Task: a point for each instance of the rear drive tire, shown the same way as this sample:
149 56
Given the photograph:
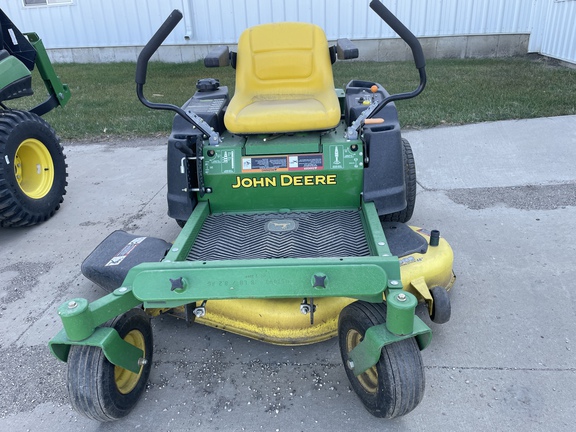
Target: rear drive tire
32 169
395 385
410 182
181 223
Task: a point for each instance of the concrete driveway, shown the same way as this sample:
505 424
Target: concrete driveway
503 194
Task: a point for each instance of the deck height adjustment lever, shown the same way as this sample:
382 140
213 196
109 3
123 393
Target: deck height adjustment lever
308 308
200 311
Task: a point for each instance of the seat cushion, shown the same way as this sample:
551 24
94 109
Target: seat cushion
283 81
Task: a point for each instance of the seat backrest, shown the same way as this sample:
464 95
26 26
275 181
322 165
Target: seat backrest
286 58
277 62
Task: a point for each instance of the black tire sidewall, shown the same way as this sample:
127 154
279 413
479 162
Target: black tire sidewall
121 404
91 383
441 307
19 127
410 180
400 372
410 184
358 317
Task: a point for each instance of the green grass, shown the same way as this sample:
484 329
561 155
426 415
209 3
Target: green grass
104 101
470 91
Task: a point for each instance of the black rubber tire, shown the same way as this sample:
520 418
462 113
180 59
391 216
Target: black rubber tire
441 308
395 385
410 181
25 134
181 223
92 384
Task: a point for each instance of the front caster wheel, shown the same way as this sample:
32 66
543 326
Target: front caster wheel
441 309
98 389
395 385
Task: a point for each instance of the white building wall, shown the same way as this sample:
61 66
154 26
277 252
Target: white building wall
554 29
90 23
94 23
355 20
130 23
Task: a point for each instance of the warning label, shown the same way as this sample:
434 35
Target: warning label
120 256
267 163
283 163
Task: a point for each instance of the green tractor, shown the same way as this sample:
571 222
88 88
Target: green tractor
32 164
293 198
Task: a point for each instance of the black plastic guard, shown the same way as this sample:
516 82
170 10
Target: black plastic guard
111 261
402 240
12 40
17 89
384 173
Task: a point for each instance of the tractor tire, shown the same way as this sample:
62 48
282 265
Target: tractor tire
395 385
32 169
405 215
100 390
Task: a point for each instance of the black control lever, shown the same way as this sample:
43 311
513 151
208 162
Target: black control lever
142 68
154 43
401 30
408 37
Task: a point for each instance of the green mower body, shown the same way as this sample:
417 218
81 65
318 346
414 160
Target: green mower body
306 228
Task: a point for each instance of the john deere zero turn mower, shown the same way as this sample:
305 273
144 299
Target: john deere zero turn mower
32 165
294 198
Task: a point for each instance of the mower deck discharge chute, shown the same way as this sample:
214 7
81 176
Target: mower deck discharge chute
293 199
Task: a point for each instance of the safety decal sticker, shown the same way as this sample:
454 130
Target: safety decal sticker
120 256
283 163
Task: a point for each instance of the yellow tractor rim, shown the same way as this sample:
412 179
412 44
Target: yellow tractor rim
34 168
125 380
369 379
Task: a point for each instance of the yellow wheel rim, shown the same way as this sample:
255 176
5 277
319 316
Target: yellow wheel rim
369 379
125 380
34 168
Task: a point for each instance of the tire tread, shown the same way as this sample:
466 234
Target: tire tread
400 368
89 375
13 211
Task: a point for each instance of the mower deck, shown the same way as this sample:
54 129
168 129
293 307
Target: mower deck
301 235
277 321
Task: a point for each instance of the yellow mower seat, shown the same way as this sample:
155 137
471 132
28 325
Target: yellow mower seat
284 81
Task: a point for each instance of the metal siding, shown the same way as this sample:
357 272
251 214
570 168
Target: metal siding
125 23
354 19
95 23
559 41
538 24
131 22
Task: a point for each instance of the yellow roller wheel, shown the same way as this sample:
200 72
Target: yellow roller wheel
369 379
